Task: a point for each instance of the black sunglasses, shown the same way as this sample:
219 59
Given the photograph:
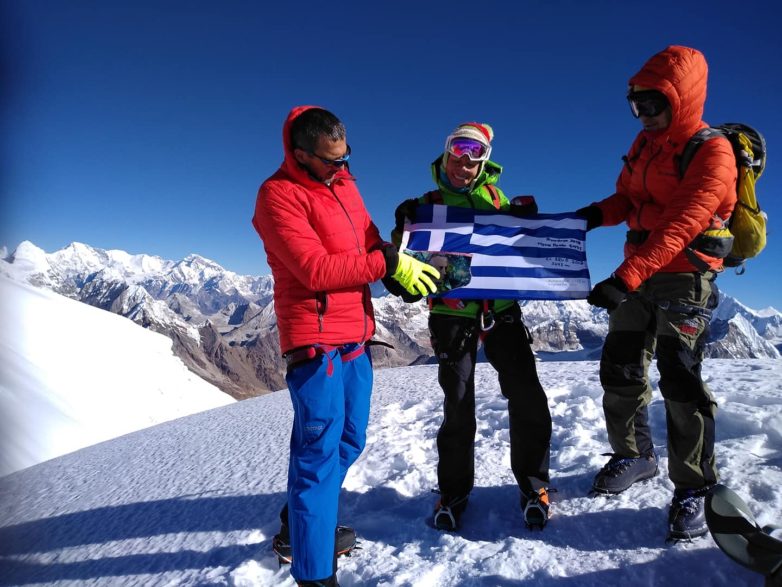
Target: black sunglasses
647 103
334 162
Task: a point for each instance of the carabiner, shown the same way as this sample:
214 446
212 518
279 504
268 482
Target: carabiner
486 321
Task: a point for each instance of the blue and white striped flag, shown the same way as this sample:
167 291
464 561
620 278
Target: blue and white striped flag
542 257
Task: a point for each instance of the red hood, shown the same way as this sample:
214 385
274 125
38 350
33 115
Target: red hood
680 73
290 165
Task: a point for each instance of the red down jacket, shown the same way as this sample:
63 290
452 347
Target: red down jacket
323 250
650 195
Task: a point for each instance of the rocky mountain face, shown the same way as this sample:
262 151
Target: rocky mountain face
224 328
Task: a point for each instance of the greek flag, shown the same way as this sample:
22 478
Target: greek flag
541 257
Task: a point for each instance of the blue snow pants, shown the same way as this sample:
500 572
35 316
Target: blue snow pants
330 396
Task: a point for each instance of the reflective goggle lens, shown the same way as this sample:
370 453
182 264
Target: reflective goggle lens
335 162
647 103
475 150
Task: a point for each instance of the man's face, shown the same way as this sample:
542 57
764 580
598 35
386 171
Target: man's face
326 148
461 171
441 264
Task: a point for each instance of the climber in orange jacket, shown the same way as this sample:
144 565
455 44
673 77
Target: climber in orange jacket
660 297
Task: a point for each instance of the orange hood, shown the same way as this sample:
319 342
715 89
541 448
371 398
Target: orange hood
680 73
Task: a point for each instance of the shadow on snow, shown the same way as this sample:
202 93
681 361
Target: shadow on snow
382 515
137 520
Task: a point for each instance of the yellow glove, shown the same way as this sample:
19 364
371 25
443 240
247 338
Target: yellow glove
415 276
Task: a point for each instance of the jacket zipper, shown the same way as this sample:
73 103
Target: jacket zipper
358 247
321 305
646 190
628 159
646 167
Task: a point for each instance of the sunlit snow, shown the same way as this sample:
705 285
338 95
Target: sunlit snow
195 501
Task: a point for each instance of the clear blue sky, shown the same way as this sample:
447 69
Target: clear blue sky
148 126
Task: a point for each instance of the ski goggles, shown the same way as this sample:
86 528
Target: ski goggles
461 146
647 103
334 162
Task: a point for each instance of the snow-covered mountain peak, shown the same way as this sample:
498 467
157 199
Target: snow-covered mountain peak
137 265
29 258
79 258
196 260
195 269
729 306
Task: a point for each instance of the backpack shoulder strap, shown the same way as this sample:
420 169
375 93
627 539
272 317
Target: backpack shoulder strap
694 144
495 196
433 197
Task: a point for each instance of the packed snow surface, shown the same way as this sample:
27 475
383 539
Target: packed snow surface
73 375
195 501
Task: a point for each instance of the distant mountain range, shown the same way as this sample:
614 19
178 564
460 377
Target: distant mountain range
224 328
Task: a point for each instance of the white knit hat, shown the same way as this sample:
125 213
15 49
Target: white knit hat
480 132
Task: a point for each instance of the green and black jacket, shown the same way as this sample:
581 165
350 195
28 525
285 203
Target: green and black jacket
484 195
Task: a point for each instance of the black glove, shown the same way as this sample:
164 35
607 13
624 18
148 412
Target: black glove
608 294
523 206
395 288
592 214
391 257
404 211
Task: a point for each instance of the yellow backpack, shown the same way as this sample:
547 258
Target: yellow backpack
747 224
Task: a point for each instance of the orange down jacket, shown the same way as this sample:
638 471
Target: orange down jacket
650 195
323 250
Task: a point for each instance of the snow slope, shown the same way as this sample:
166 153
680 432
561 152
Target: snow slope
195 501
74 375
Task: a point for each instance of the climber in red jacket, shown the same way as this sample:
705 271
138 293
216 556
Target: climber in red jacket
324 251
